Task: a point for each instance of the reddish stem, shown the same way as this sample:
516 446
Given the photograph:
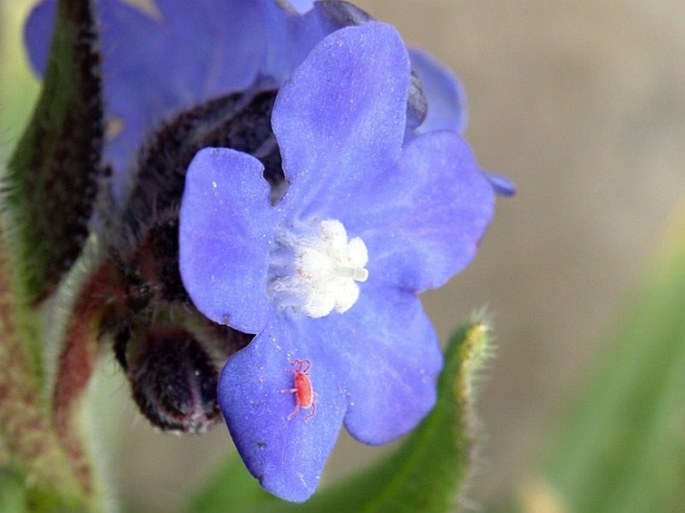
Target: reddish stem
23 416
76 364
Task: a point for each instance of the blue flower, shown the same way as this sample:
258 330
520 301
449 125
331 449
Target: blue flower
384 200
328 276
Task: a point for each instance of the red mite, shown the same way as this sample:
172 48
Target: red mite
305 397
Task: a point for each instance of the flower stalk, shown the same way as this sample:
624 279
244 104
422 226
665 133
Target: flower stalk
33 446
48 197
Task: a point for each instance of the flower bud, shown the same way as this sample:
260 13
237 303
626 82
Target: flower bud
173 380
172 353
173 374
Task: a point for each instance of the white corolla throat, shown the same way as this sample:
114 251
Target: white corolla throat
314 269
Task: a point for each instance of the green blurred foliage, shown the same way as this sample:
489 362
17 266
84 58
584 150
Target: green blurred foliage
18 85
621 449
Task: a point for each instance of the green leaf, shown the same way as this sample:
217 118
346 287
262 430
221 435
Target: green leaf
52 180
425 474
18 496
18 86
12 492
622 449
46 203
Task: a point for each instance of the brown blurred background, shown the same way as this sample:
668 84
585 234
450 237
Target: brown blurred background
582 104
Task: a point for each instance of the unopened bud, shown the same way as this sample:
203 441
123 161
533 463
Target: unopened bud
174 380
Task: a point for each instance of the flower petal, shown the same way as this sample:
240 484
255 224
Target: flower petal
38 34
143 89
287 456
135 100
502 185
447 109
151 65
228 34
423 223
226 227
291 37
391 357
343 113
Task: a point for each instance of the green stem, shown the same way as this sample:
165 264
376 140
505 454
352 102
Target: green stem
31 444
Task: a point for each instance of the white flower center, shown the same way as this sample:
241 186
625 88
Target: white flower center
314 268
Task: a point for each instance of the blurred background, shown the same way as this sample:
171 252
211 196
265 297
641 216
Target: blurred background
582 104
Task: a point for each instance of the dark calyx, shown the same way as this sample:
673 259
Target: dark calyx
171 353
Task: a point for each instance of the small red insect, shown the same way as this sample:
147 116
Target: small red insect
305 397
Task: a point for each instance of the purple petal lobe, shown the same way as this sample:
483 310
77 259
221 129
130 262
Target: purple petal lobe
343 113
391 357
147 83
38 34
291 36
446 97
229 36
423 223
502 185
151 64
284 448
226 228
